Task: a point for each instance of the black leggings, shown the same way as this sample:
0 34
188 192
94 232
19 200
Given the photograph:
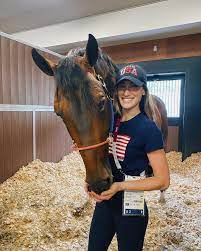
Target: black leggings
107 221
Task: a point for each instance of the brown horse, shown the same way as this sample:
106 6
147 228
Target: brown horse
156 110
81 99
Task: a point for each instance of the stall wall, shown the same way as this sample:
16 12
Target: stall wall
167 48
29 128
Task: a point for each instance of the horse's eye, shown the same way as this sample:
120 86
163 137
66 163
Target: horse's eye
101 104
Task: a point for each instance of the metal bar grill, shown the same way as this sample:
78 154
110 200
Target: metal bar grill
170 92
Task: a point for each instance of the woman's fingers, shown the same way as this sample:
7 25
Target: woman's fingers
111 191
106 197
95 196
106 193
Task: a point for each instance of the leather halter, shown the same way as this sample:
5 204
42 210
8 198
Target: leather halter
109 139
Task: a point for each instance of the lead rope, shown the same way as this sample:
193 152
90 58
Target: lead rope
112 118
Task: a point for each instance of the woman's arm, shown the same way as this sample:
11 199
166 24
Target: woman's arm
160 181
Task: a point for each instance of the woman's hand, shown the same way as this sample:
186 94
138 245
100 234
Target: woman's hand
91 194
115 187
106 195
95 196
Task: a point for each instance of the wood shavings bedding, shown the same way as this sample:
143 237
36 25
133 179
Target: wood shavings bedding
44 207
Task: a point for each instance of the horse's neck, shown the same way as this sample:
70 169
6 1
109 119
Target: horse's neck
152 110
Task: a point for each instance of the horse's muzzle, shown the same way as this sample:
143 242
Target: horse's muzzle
100 186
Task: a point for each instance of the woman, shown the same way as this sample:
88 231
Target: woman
137 142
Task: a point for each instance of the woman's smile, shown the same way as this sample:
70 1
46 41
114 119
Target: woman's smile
128 103
127 100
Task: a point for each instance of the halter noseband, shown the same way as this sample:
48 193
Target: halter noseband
109 139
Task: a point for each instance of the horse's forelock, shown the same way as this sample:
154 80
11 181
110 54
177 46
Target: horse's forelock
72 80
104 64
76 52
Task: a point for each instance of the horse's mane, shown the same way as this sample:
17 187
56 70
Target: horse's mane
107 69
72 80
104 63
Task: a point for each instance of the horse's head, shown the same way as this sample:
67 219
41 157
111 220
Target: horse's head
83 104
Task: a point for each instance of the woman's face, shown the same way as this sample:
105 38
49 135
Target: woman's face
129 95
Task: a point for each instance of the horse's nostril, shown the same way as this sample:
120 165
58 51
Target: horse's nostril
101 186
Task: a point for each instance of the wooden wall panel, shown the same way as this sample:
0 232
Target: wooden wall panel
173 47
1 86
15 142
23 97
29 135
52 138
2 167
184 46
6 78
38 135
21 81
41 90
173 138
7 143
51 91
46 84
28 75
36 80
14 72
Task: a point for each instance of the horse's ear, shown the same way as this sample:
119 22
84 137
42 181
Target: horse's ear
92 50
47 66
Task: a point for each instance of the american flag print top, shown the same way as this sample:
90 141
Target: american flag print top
121 144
